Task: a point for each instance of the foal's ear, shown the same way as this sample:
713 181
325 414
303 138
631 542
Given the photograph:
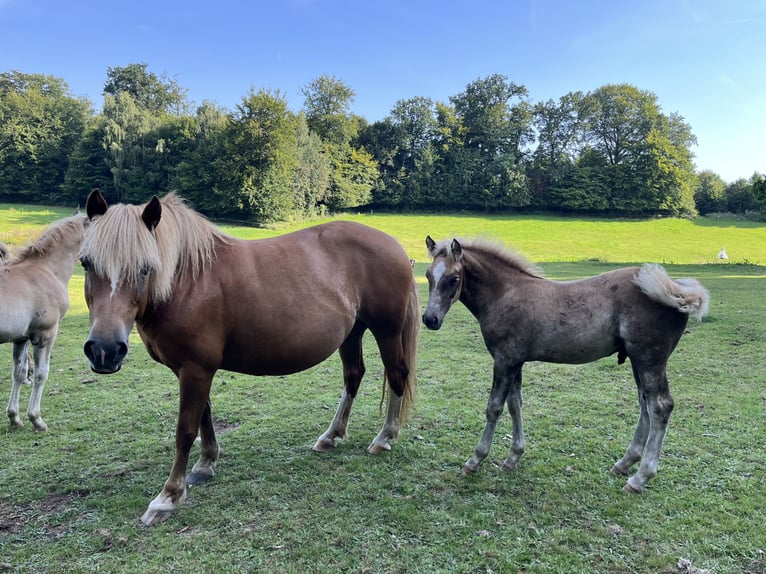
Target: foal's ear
152 213
430 245
457 250
95 205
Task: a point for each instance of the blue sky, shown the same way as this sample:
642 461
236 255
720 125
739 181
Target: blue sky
705 59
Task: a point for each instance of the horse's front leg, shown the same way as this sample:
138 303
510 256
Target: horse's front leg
194 397
204 469
501 383
42 359
18 377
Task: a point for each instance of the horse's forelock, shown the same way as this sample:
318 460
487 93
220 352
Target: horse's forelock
120 246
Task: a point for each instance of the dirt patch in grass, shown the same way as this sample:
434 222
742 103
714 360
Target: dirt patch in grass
54 514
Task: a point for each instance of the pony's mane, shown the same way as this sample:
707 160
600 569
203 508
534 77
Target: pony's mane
51 237
491 249
118 244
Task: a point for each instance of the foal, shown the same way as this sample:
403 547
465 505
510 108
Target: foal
638 313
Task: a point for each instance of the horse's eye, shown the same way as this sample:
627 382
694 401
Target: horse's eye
85 264
454 280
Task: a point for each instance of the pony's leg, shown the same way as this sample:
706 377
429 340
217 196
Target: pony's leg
501 383
636 447
659 405
194 396
204 469
514 402
41 350
18 377
353 370
397 372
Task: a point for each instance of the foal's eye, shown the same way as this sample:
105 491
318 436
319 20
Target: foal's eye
453 281
85 264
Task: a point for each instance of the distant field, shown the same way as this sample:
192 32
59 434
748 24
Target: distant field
70 498
540 238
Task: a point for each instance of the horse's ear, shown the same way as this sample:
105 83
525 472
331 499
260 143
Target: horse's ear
430 245
76 210
95 205
152 213
457 250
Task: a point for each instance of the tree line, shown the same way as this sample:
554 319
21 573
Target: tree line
489 148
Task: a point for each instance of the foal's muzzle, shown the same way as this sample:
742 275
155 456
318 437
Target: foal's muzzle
105 358
432 321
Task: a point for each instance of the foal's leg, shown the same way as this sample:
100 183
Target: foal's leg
194 396
204 469
353 370
41 351
659 405
514 402
501 384
636 447
397 373
18 377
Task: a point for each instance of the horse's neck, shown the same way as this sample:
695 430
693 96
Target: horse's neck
61 260
487 278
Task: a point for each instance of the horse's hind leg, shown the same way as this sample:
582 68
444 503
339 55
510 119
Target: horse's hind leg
397 374
636 447
18 377
514 402
501 384
658 403
204 469
353 370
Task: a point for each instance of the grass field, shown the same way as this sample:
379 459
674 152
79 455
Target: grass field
70 498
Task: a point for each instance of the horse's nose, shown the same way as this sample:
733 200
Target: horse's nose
105 358
431 321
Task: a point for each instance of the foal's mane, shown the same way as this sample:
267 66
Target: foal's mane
51 237
488 249
118 245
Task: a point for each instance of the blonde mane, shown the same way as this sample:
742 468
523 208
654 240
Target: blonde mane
57 232
492 249
118 245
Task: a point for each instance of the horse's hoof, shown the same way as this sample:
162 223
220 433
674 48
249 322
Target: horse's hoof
615 470
510 466
152 517
469 470
630 490
16 424
40 426
376 448
323 445
197 478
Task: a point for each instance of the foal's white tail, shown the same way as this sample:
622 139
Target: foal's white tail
686 295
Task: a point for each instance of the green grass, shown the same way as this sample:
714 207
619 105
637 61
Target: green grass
70 498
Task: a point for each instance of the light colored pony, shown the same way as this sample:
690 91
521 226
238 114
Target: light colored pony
34 296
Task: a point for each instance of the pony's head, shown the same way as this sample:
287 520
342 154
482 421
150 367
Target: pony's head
132 255
445 280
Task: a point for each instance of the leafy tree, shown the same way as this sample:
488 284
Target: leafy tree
261 156
311 179
758 182
710 195
493 133
149 92
40 124
88 168
354 171
740 196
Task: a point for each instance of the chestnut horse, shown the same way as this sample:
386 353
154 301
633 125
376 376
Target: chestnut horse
203 300
34 297
638 313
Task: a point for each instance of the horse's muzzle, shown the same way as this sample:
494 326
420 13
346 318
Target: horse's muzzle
432 321
104 358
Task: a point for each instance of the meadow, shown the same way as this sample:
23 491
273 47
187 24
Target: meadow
70 498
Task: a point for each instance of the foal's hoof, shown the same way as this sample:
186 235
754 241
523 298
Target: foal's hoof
630 490
615 470
323 445
376 448
467 470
